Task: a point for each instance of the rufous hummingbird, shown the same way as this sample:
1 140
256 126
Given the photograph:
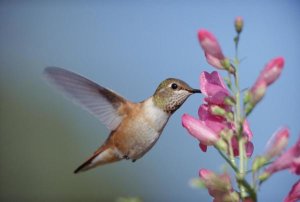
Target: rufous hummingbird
134 127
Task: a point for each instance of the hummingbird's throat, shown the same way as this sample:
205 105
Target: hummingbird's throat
170 104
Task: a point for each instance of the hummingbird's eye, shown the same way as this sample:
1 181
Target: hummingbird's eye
174 86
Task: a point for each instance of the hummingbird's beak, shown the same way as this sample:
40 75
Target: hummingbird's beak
195 91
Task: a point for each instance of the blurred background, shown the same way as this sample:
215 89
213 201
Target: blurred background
131 47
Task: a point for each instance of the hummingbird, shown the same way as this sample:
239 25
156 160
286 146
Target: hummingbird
134 127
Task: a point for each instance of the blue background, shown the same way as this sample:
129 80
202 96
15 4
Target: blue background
130 47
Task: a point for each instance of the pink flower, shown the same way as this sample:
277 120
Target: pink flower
272 71
213 122
211 48
199 130
213 87
277 143
288 160
219 186
294 194
215 91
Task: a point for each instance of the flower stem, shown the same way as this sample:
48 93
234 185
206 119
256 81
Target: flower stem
239 122
231 154
233 166
247 186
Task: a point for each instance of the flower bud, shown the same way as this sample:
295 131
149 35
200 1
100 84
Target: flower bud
264 176
221 145
211 48
277 143
227 65
196 183
272 71
257 92
216 110
219 186
258 162
238 24
290 159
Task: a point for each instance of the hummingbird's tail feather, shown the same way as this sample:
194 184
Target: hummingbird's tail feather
102 156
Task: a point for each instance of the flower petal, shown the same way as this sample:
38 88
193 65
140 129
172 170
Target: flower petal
249 149
199 130
216 123
247 130
294 194
213 87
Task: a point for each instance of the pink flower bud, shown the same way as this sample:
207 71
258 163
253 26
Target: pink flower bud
294 194
288 160
199 130
211 48
238 24
277 143
272 70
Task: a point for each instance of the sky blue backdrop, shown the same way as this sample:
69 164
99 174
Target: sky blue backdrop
130 47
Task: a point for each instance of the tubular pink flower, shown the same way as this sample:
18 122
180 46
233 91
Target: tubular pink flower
294 194
211 48
277 143
288 160
215 91
272 71
199 130
213 87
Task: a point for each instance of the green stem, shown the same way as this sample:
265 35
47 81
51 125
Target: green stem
247 186
239 123
231 155
233 166
254 179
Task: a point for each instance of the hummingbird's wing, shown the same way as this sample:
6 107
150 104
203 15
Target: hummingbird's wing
99 101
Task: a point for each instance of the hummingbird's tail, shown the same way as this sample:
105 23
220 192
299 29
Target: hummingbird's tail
102 156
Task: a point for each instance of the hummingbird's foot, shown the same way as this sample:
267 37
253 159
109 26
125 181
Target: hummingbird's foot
133 160
126 157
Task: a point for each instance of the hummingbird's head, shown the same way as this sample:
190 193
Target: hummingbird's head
171 94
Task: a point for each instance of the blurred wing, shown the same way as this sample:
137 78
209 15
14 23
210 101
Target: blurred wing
99 101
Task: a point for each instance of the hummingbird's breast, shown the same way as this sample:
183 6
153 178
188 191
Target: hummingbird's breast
141 129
